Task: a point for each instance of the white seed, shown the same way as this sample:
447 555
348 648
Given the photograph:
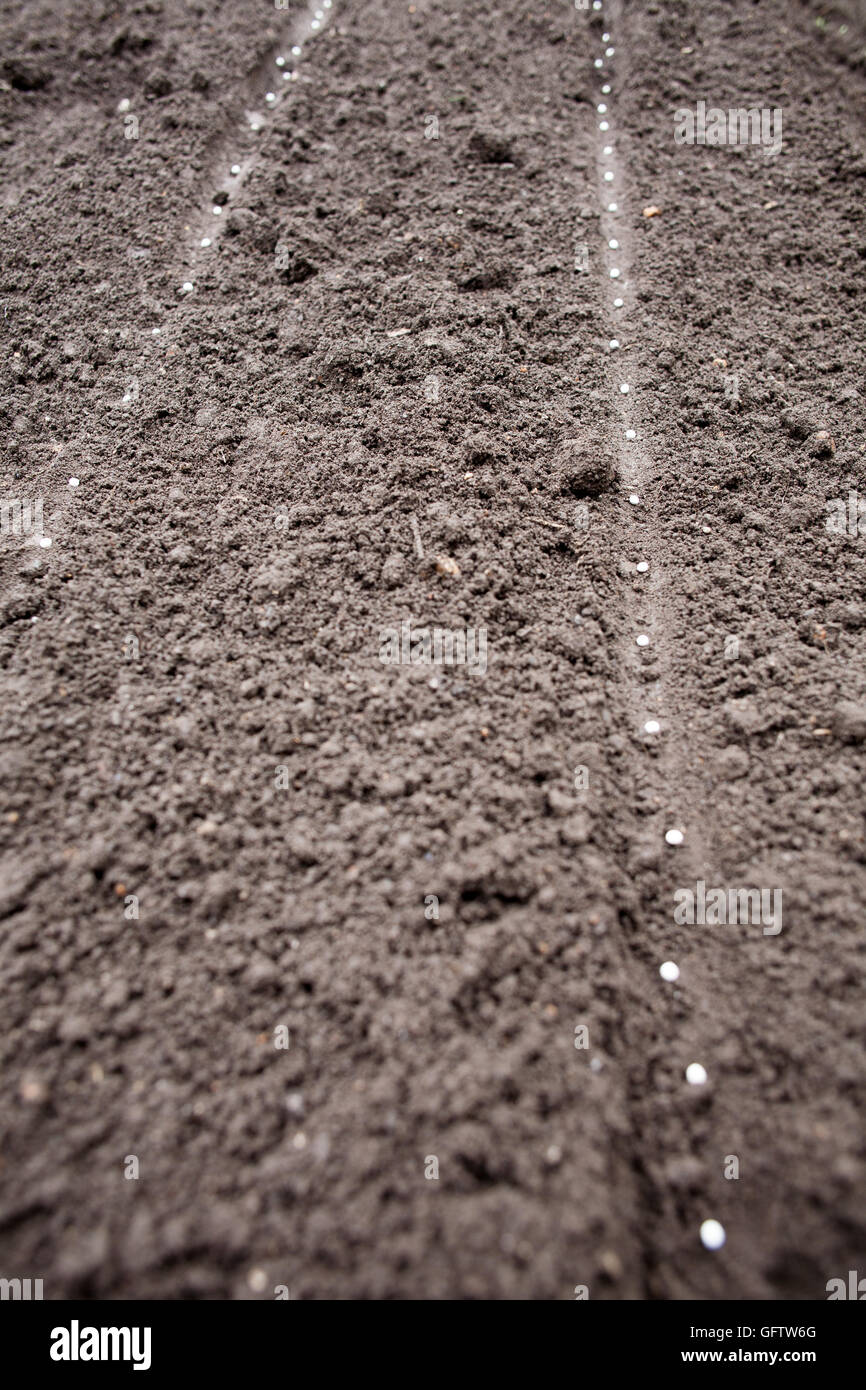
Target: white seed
280 62
642 640
608 149
609 52
713 1235
73 482
45 543
606 89
652 726
706 530
296 50
613 244
601 108
257 1280
674 837
631 434
614 274
695 1074
634 499
596 4
235 169
642 566
205 241
270 96
315 24
186 287
124 105
605 38
669 970
603 125
613 207
156 331
617 303
625 388
599 63
614 343
287 76
217 210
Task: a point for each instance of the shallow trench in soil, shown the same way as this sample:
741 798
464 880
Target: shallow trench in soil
346 974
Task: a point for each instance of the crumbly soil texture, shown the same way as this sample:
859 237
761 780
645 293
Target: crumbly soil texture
330 968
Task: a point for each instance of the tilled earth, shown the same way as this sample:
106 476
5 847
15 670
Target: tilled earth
388 394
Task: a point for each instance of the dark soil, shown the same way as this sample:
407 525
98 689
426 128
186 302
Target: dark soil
197 725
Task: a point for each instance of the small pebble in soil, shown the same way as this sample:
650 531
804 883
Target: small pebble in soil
695 1074
713 1235
674 837
642 566
652 726
669 970
642 640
